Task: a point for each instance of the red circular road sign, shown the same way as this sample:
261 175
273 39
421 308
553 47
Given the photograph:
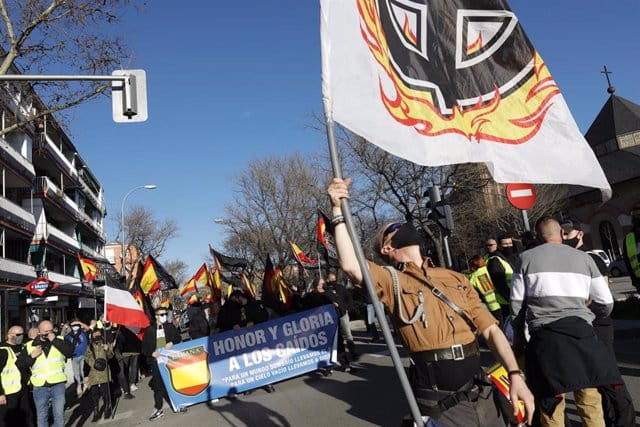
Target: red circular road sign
521 196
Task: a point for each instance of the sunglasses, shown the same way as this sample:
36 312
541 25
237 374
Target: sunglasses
390 229
18 335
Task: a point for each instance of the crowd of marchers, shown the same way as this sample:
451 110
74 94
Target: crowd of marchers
540 302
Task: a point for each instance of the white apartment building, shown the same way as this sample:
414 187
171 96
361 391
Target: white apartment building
51 209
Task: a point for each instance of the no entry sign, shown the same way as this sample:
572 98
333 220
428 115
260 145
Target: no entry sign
521 196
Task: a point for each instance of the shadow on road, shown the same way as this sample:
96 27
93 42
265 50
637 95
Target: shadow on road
251 414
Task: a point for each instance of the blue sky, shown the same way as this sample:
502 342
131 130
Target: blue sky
229 82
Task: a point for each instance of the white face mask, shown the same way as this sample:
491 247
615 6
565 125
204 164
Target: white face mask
162 318
75 328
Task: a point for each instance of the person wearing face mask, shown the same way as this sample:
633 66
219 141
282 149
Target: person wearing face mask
45 356
78 338
438 315
11 385
161 334
97 363
631 248
203 323
617 403
550 293
500 267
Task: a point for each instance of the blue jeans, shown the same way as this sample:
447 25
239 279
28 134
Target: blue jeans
77 364
41 398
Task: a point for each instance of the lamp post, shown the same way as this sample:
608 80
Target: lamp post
123 270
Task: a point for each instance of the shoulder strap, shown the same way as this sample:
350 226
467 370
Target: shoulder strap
442 297
419 313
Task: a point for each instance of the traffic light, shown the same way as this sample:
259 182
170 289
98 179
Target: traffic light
441 214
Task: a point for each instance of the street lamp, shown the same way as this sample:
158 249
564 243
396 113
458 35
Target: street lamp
123 270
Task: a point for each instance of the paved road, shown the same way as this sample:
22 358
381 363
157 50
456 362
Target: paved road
371 396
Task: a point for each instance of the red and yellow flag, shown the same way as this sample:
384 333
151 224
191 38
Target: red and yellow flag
193 299
88 268
301 258
188 288
149 282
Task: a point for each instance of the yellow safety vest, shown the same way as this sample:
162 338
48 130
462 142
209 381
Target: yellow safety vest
632 253
508 272
10 374
47 369
481 280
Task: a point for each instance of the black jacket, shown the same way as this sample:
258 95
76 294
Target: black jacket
565 355
233 314
126 341
171 334
199 326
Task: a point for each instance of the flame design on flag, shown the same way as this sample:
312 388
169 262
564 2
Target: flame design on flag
514 118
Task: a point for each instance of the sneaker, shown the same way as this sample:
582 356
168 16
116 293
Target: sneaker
156 414
182 410
133 388
269 388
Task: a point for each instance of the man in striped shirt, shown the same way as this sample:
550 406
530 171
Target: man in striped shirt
550 291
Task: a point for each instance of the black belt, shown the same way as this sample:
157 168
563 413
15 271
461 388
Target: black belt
455 352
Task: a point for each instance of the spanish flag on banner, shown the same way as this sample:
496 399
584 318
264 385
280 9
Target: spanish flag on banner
88 268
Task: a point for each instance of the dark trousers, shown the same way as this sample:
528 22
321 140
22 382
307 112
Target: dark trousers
157 385
14 410
99 391
127 371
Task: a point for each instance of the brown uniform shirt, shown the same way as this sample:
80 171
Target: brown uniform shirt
444 326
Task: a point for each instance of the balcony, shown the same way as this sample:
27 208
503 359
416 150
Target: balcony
93 224
17 161
16 272
58 156
61 236
86 190
63 279
43 185
17 215
90 252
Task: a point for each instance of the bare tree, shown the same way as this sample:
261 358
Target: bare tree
387 187
178 269
275 202
147 234
53 36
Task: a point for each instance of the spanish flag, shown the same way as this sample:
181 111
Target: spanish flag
149 282
188 288
88 268
303 260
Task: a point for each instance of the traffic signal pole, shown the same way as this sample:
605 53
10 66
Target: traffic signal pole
129 94
435 199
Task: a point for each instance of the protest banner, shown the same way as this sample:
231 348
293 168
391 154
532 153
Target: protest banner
237 361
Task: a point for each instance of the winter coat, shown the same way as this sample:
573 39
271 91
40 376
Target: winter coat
95 376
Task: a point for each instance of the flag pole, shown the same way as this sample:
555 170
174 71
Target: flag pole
386 331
